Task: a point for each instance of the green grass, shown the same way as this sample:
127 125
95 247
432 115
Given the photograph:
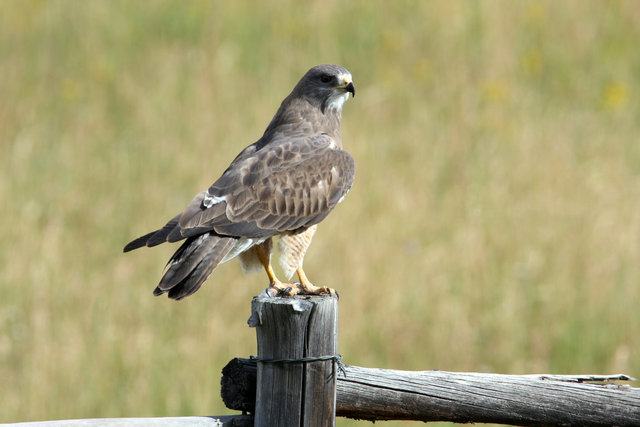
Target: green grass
494 224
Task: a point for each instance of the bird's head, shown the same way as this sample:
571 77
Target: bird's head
328 84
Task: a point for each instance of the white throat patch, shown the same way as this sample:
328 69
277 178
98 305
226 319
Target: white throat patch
337 101
339 96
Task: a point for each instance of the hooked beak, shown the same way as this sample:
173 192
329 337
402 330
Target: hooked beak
348 86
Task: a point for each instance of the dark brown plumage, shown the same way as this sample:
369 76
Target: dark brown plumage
284 183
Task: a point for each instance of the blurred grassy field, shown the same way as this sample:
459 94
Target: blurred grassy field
494 224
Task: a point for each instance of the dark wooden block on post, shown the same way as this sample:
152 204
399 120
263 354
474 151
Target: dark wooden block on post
297 344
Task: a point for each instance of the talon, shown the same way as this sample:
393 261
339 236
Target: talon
272 292
309 288
331 292
286 291
280 289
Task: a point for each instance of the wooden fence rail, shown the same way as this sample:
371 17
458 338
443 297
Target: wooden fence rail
464 397
224 421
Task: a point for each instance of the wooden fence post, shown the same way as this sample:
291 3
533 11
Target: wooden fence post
297 360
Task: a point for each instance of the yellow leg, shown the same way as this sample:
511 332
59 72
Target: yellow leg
264 255
309 288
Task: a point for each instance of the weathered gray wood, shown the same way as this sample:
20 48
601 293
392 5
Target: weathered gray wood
224 421
238 385
475 397
295 393
385 394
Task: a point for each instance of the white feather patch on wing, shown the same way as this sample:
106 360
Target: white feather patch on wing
210 200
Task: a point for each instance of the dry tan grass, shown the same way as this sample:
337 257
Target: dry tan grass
494 224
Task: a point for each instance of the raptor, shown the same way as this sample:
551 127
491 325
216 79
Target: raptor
282 185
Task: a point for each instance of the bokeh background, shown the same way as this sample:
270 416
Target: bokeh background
494 225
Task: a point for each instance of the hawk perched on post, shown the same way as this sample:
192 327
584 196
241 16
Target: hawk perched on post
282 185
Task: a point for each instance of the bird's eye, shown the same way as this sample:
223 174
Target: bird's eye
325 78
